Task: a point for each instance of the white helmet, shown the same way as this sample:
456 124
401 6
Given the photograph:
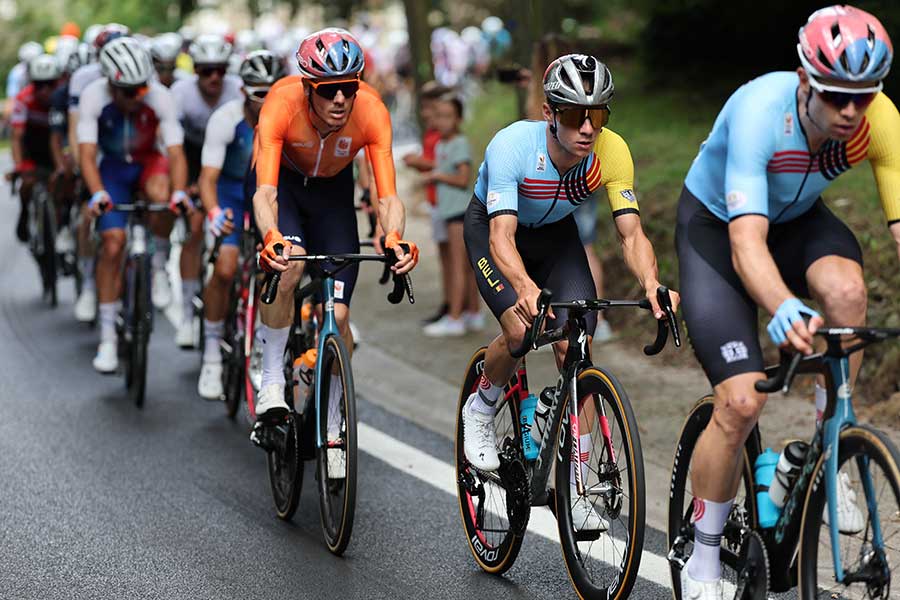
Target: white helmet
248 40
166 47
126 63
210 49
84 54
29 51
91 33
44 68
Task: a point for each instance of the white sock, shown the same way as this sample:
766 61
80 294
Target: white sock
821 401
709 521
161 252
107 312
274 341
485 399
86 266
212 333
189 289
334 406
584 445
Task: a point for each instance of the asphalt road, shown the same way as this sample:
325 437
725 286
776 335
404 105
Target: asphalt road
101 500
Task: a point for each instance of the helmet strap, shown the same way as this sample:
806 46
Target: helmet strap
809 114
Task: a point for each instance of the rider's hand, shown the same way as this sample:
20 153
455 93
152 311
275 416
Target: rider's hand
220 221
405 260
180 202
658 312
99 203
526 307
269 259
787 327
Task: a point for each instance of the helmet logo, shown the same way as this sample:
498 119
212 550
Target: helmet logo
552 85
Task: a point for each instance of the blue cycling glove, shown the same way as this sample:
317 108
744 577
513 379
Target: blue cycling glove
790 311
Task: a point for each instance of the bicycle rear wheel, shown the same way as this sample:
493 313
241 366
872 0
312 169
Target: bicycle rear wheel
285 466
681 499
233 373
141 322
336 459
864 453
485 500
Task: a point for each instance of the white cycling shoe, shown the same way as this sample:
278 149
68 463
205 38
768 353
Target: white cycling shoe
210 384
850 519
584 517
86 305
692 589
270 402
161 289
107 359
479 439
185 337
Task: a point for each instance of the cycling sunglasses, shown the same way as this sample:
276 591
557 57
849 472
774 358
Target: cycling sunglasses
134 92
164 67
256 94
574 117
841 99
329 89
208 71
44 84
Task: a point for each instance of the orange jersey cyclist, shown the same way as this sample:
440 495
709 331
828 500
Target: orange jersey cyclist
310 128
521 236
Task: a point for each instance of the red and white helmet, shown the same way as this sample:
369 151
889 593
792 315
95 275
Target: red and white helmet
844 43
331 52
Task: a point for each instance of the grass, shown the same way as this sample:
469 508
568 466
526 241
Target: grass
664 129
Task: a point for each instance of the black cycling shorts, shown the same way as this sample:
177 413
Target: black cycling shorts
720 315
553 256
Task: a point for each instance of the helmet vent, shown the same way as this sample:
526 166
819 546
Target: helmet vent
824 60
836 33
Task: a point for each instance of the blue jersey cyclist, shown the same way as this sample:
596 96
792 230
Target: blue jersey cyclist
123 115
521 236
753 231
227 150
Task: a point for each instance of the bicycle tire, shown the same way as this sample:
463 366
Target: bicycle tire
337 496
855 441
286 468
679 516
494 554
48 260
141 315
581 557
233 375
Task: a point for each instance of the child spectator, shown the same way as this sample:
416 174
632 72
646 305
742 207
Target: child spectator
452 175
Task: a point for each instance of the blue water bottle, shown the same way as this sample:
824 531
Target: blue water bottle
526 418
764 473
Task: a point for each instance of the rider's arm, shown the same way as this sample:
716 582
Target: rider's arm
505 254
754 264
56 150
884 157
273 122
89 171
219 133
73 121
209 177
638 251
391 212
17 121
178 169
171 133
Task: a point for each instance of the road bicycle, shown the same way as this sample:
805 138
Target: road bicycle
42 227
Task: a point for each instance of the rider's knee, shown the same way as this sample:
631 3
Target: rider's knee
225 270
157 189
342 317
737 411
113 244
847 297
514 336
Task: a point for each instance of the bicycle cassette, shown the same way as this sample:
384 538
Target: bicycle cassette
753 577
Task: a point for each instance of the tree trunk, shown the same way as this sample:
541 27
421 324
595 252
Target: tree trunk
419 43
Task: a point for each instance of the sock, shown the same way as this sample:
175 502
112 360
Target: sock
86 266
334 406
161 253
584 445
709 521
821 401
273 340
189 289
485 399
213 335
107 312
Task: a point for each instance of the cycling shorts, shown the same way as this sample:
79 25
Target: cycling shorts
720 315
231 195
553 255
119 180
317 213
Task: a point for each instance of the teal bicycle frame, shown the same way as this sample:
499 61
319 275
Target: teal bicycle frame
328 329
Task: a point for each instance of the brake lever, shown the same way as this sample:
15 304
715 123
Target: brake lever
272 281
402 283
543 304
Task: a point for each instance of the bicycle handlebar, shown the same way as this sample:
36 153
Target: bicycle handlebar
663 325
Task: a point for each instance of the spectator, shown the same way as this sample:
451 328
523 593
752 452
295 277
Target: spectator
424 163
452 175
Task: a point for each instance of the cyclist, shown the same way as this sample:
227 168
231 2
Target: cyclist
17 78
311 127
30 121
196 98
165 49
753 231
123 114
227 150
521 236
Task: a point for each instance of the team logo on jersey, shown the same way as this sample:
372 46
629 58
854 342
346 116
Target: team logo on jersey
541 162
788 124
488 272
735 200
342 147
303 144
493 198
338 289
628 195
734 351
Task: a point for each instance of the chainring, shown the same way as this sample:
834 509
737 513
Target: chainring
753 577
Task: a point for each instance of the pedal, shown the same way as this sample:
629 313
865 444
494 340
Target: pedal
676 555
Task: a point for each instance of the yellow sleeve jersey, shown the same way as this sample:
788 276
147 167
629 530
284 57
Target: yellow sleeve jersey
877 140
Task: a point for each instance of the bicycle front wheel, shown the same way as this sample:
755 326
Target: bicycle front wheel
141 316
48 260
336 458
868 465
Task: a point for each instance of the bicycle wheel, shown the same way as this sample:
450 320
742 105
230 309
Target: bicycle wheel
743 511
866 563
233 373
602 564
141 315
48 257
485 500
285 466
336 459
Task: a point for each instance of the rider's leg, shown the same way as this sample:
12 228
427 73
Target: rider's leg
215 300
190 267
277 318
27 183
157 187
109 280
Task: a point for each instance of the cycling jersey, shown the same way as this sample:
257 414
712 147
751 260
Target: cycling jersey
33 118
81 78
16 80
194 111
129 138
229 141
757 161
287 137
59 112
517 176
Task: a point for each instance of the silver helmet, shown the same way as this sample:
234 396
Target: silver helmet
261 69
578 79
166 47
126 63
210 49
45 67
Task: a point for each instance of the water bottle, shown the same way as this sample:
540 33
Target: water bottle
541 412
526 419
304 366
786 472
763 473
